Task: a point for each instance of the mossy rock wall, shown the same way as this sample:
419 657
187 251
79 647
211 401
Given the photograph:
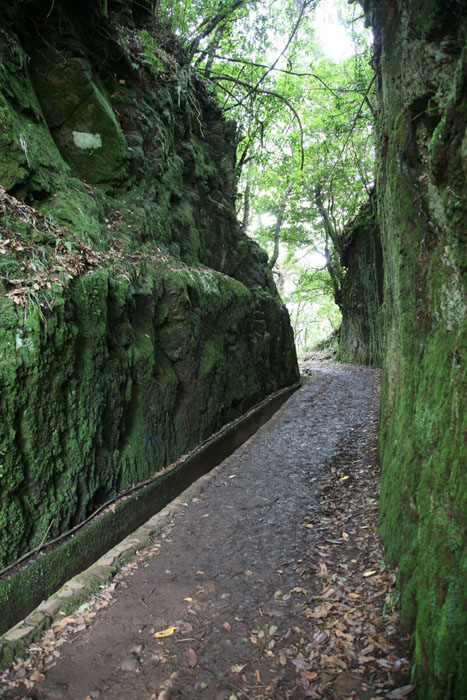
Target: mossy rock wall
361 293
422 213
135 317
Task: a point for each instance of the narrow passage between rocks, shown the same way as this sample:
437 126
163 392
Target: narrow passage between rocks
268 583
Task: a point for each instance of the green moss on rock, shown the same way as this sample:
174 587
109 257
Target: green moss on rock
104 394
360 296
145 319
423 508
79 115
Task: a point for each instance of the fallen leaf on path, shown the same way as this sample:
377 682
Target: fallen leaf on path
36 676
333 661
365 659
192 658
368 573
310 675
63 623
323 569
165 633
318 612
166 687
319 638
301 664
79 628
328 593
237 668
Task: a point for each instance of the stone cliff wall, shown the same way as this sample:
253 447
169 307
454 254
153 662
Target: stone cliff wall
361 291
135 317
422 213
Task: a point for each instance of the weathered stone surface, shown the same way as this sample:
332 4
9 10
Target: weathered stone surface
50 607
172 327
79 116
422 213
18 632
361 293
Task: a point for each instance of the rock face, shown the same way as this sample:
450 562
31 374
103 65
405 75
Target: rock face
422 214
360 296
135 317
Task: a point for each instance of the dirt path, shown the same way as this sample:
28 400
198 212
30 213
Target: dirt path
272 576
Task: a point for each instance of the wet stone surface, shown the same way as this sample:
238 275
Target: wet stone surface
238 573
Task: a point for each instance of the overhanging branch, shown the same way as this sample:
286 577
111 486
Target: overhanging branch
254 89
253 64
270 93
354 122
209 25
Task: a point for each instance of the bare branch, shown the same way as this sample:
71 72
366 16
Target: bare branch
280 218
246 206
209 25
353 124
370 106
328 227
278 70
289 41
212 49
271 93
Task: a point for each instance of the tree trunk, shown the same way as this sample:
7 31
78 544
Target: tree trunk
279 220
212 49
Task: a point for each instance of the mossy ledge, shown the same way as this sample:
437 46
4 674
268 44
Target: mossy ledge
135 316
421 58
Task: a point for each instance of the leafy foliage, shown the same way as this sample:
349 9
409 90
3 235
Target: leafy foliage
305 137
324 146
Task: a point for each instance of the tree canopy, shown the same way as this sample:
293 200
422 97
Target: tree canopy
305 130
